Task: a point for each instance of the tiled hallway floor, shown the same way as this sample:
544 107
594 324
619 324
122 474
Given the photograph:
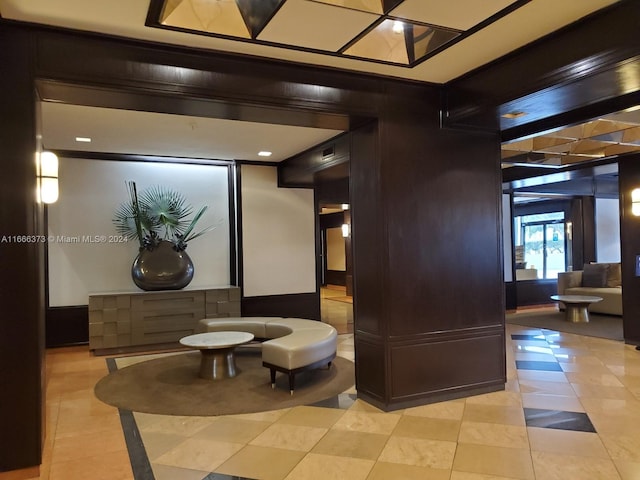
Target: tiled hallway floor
335 312
571 410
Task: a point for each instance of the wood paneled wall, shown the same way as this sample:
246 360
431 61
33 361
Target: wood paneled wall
629 170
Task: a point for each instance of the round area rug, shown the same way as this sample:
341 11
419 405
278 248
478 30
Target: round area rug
170 386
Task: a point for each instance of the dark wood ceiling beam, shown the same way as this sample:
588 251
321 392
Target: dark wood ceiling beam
572 113
601 43
149 101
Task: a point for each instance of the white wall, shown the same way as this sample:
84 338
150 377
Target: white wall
336 255
607 230
278 235
91 191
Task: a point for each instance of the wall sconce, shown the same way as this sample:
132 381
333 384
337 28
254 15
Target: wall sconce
345 230
635 202
48 177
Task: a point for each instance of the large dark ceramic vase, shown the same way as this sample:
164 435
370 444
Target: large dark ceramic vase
162 268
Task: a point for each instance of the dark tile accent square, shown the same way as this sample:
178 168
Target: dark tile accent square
528 337
558 419
342 401
532 365
112 366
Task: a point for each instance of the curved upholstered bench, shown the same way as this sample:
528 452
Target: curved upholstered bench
291 344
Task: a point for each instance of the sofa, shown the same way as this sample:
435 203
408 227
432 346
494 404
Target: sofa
595 279
290 345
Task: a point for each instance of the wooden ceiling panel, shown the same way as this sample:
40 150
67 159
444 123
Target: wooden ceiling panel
574 132
591 147
525 145
506 153
545 143
621 149
631 136
564 147
613 134
602 126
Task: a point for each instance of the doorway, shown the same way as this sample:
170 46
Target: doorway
336 279
541 238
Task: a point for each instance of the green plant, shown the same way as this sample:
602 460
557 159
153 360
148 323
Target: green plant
156 214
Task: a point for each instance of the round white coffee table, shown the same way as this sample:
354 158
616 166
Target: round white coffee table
217 360
576 306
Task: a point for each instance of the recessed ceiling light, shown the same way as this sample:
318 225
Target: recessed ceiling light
83 139
264 154
398 26
516 114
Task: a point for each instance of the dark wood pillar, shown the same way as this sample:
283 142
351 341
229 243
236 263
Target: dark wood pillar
629 179
428 282
21 282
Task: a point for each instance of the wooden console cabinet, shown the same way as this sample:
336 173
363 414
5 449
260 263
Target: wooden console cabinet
130 319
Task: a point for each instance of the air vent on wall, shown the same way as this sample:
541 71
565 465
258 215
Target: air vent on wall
327 152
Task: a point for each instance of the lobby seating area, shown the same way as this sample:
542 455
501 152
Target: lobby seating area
292 344
602 280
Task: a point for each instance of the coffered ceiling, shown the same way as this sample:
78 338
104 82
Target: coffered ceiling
440 40
613 134
393 31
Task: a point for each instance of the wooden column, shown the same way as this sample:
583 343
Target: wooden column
21 264
429 310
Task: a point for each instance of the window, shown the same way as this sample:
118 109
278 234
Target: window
540 245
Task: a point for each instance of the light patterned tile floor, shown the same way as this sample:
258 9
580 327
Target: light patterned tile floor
477 438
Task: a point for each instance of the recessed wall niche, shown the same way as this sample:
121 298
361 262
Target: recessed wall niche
85 253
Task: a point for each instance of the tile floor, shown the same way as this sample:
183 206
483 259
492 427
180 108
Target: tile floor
334 312
570 410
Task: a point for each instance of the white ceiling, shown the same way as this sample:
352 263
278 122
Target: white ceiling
145 133
175 135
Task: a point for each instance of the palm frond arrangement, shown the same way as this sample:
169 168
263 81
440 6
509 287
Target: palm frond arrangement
155 214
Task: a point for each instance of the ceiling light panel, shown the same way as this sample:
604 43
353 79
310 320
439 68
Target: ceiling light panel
382 43
461 14
329 28
401 42
222 17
